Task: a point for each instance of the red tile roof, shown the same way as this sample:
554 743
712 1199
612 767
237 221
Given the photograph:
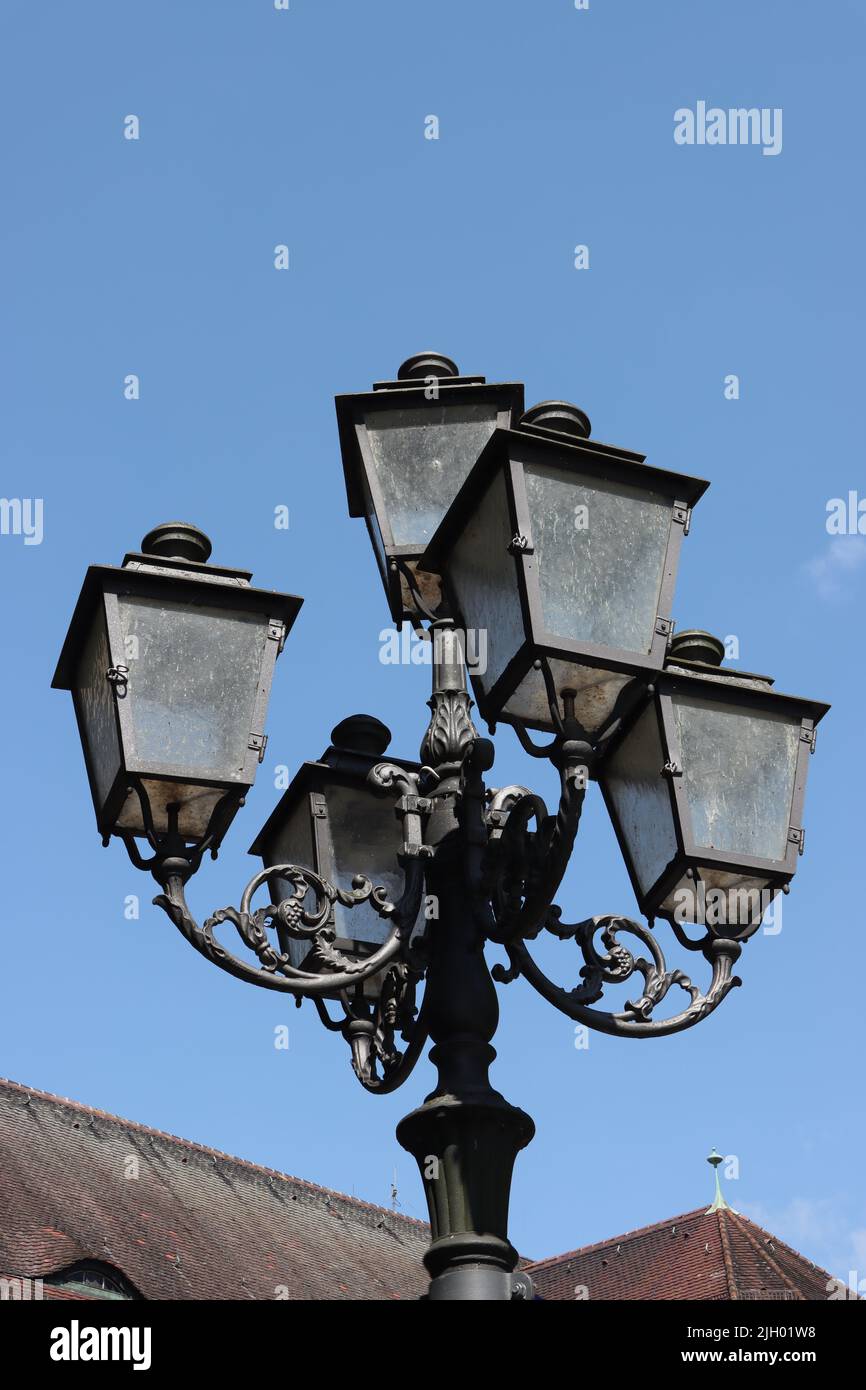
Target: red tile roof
715 1255
198 1224
194 1223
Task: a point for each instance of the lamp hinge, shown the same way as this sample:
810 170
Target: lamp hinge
258 742
672 769
797 836
664 626
809 736
277 632
683 515
520 545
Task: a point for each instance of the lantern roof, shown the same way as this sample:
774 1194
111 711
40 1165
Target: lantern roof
163 567
411 387
560 449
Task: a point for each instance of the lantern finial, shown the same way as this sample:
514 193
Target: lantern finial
694 645
559 416
424 364
177 540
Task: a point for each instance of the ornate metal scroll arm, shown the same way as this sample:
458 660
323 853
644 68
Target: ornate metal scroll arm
525 868
616 965
297 921
370 1026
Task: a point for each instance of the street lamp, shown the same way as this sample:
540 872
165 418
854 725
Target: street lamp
407 446
335 816
170 662
386 874
705 789
564 552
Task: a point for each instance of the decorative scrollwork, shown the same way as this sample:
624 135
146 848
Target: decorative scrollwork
616 964
294 918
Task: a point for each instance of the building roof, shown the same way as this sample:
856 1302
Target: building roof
193 1224
716 1255
89 1195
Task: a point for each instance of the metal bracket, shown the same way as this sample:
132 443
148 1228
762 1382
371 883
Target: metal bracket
259 743
797 836
664 626
277 632
809 736
683 516
672 769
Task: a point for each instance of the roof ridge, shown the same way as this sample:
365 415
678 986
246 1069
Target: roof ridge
76 1105
617 1240
764 1254
728 1258
797 1255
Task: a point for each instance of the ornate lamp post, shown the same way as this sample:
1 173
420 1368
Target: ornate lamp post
386 874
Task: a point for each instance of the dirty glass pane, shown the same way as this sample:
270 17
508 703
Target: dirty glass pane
596 693
193 678
721 899
195 806
361 833
601 549
738 773
364 836
94 698
484 577
422 457
633 779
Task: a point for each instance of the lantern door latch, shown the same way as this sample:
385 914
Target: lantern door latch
258 742
520 545
118 675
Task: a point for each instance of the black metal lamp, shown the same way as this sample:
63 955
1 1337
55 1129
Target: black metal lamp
564 552
170 662
705 789
336 814
407 447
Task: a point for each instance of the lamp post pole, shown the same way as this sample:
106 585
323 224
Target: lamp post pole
466 1136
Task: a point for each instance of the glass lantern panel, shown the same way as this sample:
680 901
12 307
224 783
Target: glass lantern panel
719 898
596 693
601 548
738 773
422 456
193 680
362 834
94 696
484 578
292 844
195 807
633 779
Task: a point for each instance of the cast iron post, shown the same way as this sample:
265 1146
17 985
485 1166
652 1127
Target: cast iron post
465 1137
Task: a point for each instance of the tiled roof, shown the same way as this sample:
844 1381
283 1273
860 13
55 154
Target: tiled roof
194 1223
717 1255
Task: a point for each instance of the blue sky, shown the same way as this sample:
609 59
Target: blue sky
155 257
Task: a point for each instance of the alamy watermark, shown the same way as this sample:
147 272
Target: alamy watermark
404 648
22 516
740 125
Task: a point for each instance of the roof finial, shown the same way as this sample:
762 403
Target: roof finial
719 1203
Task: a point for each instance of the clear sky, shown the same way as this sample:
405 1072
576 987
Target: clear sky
155 257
